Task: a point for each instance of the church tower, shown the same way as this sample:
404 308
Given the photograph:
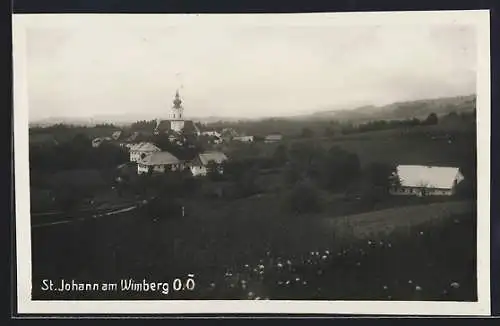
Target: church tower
177 116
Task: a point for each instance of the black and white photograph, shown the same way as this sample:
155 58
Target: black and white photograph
253 163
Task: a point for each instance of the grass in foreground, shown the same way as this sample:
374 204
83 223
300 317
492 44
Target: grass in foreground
248 253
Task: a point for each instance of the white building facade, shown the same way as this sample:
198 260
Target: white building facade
244 139
199 166
141 150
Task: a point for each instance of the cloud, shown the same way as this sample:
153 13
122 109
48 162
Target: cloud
244 70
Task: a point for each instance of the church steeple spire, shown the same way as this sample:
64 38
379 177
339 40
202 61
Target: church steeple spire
177 101
177 120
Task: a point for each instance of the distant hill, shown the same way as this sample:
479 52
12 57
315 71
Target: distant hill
78 121
120 120
394 111
401 110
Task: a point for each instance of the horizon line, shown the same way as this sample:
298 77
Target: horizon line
222 117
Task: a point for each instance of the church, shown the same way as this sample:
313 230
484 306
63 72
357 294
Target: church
176 124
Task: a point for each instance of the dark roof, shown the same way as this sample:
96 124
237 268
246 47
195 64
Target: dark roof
165 126
189 127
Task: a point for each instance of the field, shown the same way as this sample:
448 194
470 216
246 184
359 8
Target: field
399 249
443 145
222 249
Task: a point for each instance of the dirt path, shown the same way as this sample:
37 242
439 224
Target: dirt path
383 222
97 215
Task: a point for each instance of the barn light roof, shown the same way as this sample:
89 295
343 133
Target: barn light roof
438 177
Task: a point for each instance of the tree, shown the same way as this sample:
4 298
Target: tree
214 171
164 207
304 198
291 174
246 185
307 133
339 168
381 176
415 122
280 155
431 119
329 132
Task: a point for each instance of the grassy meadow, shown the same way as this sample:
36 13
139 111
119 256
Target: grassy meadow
254 247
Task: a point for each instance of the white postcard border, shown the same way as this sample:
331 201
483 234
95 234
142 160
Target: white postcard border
480 18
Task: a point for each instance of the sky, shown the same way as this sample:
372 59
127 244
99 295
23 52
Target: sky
223 67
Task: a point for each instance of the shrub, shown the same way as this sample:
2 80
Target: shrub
339 169
305 198
380 176
164 207
246 185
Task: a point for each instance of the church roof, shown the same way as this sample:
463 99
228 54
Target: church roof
166 126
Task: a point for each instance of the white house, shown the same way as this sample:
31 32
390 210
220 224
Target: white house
419 180
159 162
273 138
115 135
96 142
218 140
133 136
200 164
244 139
211 133
142 150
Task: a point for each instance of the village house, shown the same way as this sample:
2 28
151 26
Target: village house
273 138
244 139
419 180
133 137
141 150
96 142
199 166
159 162
172 138
211 133
229 131
116 135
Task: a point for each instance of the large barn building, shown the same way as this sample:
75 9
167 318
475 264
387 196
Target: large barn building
419 180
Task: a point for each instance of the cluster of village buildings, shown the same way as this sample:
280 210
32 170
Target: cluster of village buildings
416 180
150 158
